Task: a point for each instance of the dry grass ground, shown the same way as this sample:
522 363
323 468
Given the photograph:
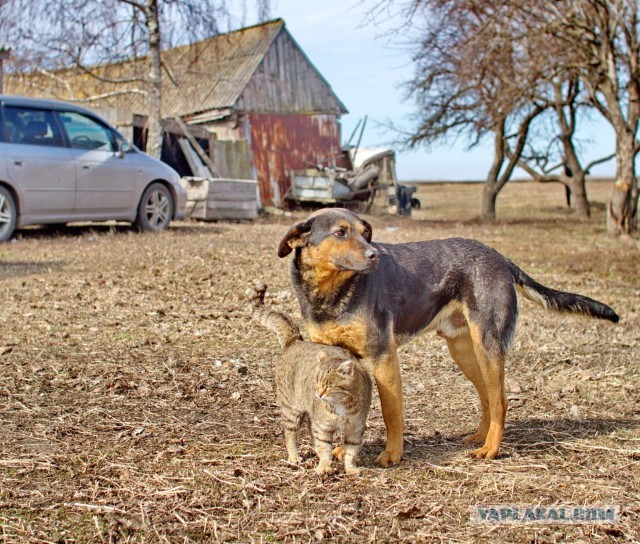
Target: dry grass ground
137 402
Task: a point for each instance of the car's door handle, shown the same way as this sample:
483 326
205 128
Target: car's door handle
18 163
86 166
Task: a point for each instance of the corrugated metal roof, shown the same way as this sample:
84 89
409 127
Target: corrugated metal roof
204 76
212 73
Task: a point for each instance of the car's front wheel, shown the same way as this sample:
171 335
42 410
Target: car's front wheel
155 209
8 214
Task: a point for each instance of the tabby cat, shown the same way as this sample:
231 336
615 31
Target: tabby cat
324 386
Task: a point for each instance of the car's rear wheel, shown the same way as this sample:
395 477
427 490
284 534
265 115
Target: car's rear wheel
155 209
8 214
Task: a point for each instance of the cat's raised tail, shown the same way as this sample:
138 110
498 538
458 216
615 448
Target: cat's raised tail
281 324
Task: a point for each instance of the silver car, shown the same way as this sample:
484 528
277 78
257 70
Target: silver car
61 163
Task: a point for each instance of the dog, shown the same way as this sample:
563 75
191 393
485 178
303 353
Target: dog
371 298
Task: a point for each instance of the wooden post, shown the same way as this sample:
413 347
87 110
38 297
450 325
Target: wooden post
203 155
4 54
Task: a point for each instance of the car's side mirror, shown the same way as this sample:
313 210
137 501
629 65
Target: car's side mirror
124 146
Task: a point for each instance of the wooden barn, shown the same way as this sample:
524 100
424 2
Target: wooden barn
266 108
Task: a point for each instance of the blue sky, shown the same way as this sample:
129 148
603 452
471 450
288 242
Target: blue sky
366 70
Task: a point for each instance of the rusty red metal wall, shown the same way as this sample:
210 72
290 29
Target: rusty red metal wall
281 143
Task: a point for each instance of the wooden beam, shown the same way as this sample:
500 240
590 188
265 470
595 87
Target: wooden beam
201 152
198 168
170 125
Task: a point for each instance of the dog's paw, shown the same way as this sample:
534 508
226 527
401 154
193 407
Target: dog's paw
388 458
486 452
338 453
477 438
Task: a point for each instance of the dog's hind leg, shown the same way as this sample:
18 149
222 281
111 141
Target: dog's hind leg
386 371
491 364
461 349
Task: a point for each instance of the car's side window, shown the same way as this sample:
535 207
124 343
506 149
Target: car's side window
31 126
86 133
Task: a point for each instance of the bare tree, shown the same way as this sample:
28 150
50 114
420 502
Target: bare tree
493 67
474 76
553 155
58 38
600 40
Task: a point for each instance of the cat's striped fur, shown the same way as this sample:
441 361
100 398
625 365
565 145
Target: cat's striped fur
325 387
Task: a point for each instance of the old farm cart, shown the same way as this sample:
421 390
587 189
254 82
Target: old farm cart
369 172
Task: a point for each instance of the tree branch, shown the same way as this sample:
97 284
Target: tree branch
133 3
540 177
104 79
598 161
107 95
170 73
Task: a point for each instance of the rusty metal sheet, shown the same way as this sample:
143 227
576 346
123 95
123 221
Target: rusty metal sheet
281 143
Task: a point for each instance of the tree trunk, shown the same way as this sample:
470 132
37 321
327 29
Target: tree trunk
621 211
489 198
491 189
504 156
580 203
574 172
154 127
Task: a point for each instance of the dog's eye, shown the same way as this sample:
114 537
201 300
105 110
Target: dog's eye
365 233
340 233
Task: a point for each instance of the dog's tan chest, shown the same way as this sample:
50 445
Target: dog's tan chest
350 334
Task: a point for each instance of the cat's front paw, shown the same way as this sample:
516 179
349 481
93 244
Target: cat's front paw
294 460
351 471
323 468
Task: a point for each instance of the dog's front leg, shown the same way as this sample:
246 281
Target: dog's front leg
386 372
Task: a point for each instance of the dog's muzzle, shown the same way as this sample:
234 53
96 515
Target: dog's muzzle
372 255
367 264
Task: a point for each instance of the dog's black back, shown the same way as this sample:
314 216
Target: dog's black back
414 282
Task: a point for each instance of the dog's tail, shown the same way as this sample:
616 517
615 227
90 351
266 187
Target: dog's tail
281 324
560 301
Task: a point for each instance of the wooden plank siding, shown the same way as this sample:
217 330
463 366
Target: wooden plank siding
289 114
232 158
286 82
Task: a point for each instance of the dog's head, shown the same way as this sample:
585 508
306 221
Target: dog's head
334 238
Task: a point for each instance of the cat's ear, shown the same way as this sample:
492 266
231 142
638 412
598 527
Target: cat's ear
347 367
323 355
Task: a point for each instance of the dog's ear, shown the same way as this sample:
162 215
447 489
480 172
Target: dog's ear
369 232
296 236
